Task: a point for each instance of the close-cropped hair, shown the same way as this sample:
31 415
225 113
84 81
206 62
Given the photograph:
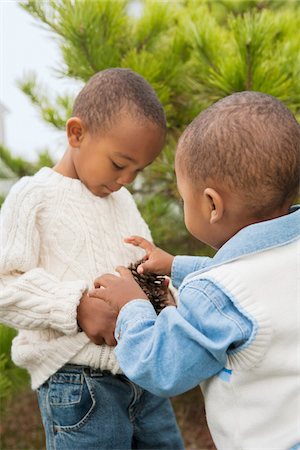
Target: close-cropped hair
111 91
250 142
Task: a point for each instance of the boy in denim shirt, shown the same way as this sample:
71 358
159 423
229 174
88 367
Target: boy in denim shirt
236 329
59 230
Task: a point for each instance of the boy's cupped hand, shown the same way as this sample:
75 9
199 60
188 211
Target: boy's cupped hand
117 290
97 319
156 260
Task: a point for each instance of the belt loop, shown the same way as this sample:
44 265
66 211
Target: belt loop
95 372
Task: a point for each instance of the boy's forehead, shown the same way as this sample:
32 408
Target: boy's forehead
126 121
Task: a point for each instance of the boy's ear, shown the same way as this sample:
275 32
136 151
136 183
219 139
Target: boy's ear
75 131
215 204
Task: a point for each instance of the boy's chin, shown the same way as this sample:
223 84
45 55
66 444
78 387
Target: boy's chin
101 192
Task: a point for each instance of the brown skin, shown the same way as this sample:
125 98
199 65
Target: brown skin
104 163
212 213
107 161
117 291
97 319
156 259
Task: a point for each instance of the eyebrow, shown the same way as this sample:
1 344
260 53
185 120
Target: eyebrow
129 158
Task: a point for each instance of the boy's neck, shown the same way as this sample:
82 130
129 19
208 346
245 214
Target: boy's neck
65 165
231 228
278 212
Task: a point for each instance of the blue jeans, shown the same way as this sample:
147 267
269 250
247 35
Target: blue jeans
89 409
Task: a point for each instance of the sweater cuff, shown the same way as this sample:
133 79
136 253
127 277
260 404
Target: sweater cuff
63 313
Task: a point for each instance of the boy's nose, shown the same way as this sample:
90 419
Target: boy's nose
126 178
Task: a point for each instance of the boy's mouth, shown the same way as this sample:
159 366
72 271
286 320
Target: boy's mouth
110 190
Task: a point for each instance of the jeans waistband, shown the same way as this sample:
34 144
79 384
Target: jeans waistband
90 371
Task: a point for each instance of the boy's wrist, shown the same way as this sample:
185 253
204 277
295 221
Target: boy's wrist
120 303
124 301
133 303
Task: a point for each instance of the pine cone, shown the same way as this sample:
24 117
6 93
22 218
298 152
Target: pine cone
153 285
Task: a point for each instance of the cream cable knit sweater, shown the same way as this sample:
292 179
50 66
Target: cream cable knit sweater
55 238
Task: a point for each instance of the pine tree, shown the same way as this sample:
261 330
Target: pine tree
193 52
12 167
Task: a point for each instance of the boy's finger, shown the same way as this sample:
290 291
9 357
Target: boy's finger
98 293
166 282
144 267
124 272
110 341
139 241
104 280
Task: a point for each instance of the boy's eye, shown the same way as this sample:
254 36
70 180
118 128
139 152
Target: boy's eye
117 166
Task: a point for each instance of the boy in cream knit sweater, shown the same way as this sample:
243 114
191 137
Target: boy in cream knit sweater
59 230
236 329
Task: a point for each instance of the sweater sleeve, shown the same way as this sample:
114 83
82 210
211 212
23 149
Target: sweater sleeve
31 298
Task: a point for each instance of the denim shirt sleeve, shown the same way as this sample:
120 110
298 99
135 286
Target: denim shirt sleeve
184 265
173 352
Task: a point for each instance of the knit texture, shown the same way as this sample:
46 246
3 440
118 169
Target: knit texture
56 237
254 402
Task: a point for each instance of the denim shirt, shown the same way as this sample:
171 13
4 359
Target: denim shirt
173 352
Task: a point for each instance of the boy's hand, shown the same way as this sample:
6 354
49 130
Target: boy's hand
117 291
156 260
97 319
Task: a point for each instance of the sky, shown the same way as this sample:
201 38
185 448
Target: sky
24 48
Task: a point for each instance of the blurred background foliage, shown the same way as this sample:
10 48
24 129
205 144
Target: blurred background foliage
193 52
12 378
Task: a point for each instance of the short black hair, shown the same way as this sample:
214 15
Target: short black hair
251 142
112 91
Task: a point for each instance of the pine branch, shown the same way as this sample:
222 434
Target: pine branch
56 114
248 82
19 166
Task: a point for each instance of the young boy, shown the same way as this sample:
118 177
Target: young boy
236 330
59 230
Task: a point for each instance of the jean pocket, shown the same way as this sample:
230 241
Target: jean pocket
71 400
